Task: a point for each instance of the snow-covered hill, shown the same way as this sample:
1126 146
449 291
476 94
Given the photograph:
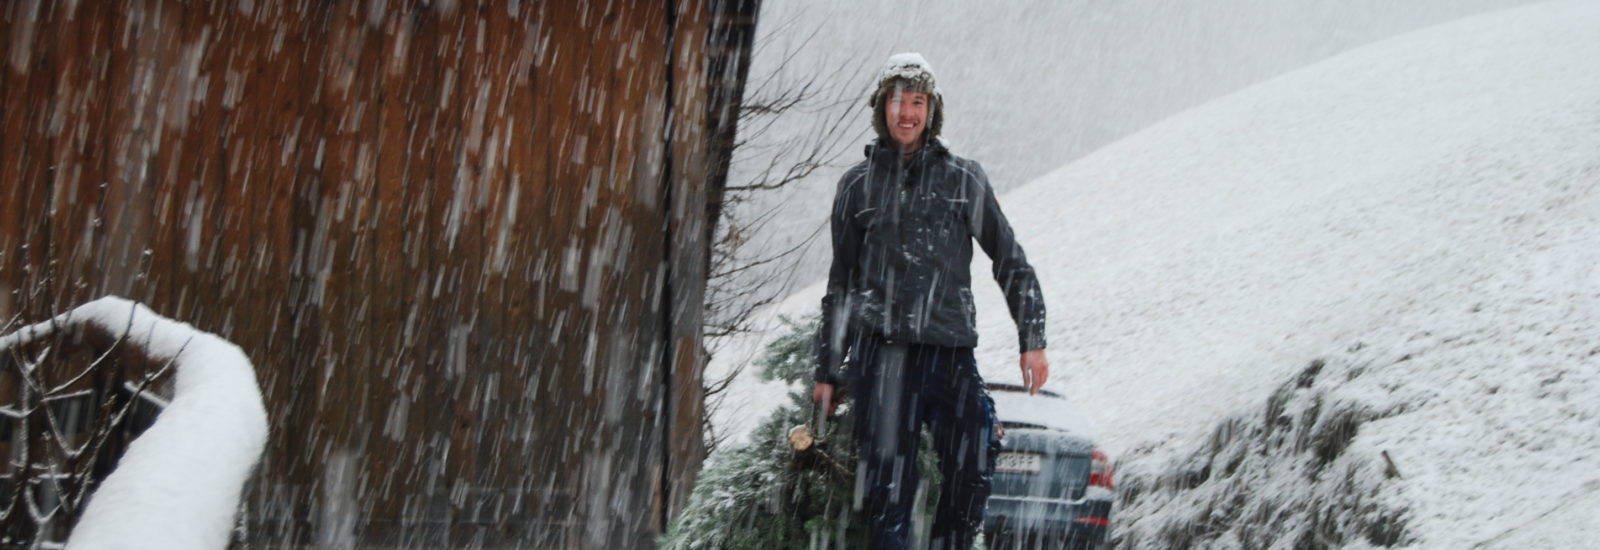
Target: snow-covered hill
1029 84
1283 220
1113 69
1419 217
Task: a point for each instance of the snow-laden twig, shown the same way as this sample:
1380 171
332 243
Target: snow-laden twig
178 485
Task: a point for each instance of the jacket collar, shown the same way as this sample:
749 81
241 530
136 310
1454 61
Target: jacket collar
879 151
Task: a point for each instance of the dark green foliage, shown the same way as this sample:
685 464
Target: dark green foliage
788 358
762 496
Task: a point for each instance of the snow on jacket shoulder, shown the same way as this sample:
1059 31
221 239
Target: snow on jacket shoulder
902 255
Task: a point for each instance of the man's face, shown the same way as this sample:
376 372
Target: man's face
907 114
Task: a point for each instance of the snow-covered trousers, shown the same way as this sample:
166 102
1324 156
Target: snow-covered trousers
899 388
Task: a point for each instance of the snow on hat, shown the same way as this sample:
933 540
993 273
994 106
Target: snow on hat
907 71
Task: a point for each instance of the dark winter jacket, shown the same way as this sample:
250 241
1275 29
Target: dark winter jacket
902 255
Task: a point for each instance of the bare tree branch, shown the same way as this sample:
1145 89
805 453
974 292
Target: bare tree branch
743 281
54 457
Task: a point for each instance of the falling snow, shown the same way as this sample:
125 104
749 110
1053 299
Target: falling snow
1294 273
178 485
1417 214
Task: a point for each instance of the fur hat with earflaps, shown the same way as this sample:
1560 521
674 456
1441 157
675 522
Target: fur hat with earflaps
907 71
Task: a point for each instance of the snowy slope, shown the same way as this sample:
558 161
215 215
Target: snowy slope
1221 248
1432 197
1029 84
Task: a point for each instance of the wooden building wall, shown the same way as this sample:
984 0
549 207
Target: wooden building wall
464 243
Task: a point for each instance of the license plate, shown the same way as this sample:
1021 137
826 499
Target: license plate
1019 463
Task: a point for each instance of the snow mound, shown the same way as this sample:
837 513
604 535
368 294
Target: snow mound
178 485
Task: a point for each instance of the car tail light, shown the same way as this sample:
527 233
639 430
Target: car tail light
1100 470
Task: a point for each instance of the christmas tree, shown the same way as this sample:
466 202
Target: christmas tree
775 494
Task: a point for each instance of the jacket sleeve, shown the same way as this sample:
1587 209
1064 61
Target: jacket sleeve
831 338
1011 269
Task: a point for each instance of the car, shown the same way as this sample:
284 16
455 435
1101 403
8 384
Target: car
1053 487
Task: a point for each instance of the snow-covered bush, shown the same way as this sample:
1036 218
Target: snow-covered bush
1280 477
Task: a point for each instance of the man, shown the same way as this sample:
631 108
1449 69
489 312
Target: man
898 323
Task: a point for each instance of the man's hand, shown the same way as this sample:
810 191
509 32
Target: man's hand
1035 370
823 393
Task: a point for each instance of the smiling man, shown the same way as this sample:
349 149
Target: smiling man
898 322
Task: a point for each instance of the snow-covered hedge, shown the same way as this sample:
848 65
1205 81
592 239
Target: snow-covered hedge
1281 476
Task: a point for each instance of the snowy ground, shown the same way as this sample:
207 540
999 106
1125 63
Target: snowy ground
1419 213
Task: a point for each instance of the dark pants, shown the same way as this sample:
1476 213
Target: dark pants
898 389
